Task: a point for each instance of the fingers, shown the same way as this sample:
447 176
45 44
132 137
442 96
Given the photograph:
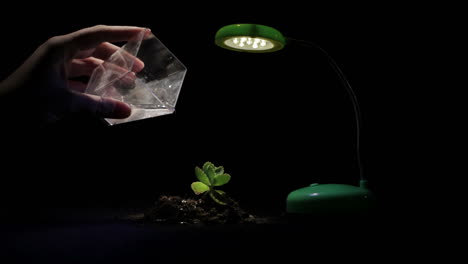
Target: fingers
86 61
83 67
91 37
106 49
121 79
77 86
102 51
99 106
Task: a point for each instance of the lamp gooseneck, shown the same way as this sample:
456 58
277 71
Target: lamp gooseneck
352 95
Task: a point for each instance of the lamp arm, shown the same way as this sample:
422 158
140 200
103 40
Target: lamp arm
352 95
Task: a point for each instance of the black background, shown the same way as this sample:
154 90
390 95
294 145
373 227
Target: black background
276 122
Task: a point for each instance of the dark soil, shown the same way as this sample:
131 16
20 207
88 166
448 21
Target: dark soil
179 210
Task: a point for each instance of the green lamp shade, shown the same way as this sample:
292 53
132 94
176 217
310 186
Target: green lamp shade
250 38
330 198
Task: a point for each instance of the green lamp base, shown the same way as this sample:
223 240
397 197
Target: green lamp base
330 199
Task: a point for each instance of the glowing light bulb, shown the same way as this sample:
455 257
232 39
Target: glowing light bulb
247 43
255 44
242 41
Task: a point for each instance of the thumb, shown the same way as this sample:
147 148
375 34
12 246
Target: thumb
99 106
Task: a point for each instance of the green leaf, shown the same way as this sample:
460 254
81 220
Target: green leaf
199 187
201 176
207 165
221 179
219 170
211 174
219 197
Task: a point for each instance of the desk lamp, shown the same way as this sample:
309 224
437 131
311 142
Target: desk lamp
316 198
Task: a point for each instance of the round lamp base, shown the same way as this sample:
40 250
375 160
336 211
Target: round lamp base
330 199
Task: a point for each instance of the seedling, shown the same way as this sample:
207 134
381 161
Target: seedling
210 177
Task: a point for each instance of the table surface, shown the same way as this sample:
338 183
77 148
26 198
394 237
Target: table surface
103 236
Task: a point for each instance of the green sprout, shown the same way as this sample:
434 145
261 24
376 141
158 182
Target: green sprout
210 177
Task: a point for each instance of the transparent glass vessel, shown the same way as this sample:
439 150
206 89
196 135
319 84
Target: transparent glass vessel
152 91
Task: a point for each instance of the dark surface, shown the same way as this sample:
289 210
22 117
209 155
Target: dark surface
98 236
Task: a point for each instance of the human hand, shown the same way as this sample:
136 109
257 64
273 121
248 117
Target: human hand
44 76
